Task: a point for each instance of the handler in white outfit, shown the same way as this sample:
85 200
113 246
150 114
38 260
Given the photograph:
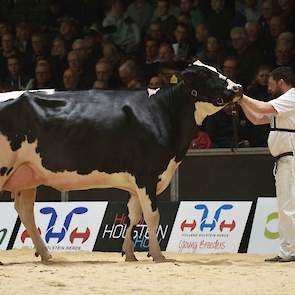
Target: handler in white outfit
280 113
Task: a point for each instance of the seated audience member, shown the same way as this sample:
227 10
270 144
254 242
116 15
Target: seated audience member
166 54
201 140
15 79
201 35
121 29
7 49
182 47
43 77
129 75
248 56
230 68
213 54
221 128
23 33
165 18
58 57
219 19
141 12
285 53
154 32
251 10
70 80
112 54
103 70
69 31
168 72
75 64
191 8
156 82
258 134
288 8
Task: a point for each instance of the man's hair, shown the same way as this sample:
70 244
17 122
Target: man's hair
284 73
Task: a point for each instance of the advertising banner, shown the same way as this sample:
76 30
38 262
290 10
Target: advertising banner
115 223
69 226
8 218
264 235
209 227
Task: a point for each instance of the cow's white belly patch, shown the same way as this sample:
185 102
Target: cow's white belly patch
28 172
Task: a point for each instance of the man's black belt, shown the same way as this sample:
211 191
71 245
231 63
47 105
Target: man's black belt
274 128
283 155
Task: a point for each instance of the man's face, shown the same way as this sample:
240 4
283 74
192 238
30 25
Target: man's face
13 66
274 88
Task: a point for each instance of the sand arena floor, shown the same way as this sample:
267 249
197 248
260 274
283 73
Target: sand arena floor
107 273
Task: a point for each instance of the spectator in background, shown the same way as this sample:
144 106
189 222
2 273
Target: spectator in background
231 68
68 30
23 37
201 140
219 20
112 54
39 50
129 75
288 8
8 49
74 63
58 57
141 12
155 32
166 54
248 56
201 35
43 77
213 54
70 80
221 130
276 27
15 79
284 53
151 51
156 82
121 29
166 20
183 48
258 134
191 8
168 72
251 10
104 71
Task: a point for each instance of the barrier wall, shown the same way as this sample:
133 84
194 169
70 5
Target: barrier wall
185 227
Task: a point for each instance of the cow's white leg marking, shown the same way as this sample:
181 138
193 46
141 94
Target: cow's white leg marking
152 219
24 205
134 215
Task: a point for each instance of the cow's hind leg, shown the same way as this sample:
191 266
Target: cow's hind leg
24 205
152 217
134 214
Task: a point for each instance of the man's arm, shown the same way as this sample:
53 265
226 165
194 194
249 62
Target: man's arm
258 112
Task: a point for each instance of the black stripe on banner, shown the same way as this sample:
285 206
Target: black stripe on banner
14 233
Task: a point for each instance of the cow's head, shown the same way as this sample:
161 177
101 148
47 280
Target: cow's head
206 84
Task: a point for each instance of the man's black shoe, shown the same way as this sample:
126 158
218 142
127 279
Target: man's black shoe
280 259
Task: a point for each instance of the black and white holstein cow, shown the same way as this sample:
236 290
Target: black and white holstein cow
103 139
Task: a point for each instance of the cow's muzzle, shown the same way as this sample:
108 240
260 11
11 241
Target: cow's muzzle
238 90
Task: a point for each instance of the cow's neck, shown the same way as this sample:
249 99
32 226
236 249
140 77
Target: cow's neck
180 107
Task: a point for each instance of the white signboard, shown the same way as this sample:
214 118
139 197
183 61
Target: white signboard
209 227
66 226
8 218
264 235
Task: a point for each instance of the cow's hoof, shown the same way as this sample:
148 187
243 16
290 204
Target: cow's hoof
45 257
1 263
130 257
159 259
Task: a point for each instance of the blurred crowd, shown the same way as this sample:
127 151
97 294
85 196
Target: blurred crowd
119 44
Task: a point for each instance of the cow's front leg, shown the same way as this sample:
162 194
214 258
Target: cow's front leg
152 217
134 214
24 204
